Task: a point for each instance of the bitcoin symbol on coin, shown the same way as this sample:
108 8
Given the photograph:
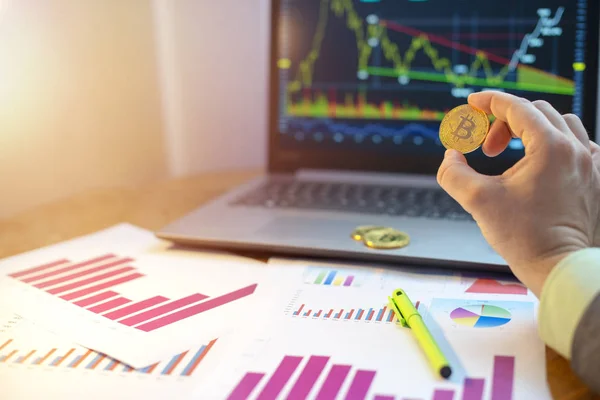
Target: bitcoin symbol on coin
467 126
464 128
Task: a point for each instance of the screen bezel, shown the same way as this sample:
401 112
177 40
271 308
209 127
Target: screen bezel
282 160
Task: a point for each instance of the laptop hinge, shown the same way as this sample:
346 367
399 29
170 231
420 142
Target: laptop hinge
365 177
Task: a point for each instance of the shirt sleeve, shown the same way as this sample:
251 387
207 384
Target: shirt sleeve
585 359
569 290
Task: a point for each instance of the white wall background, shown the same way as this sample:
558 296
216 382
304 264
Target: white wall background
80 103
105 93
213 61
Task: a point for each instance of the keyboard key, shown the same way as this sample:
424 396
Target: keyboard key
366 199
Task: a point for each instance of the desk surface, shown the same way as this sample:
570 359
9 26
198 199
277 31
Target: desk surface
152 207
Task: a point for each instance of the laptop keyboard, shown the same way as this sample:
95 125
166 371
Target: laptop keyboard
359 198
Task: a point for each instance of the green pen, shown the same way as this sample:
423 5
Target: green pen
409 316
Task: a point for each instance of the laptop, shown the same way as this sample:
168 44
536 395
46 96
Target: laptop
357 91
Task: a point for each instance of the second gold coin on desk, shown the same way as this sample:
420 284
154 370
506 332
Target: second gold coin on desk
359 233
464 128
386 239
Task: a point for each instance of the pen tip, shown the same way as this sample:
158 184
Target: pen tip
446 372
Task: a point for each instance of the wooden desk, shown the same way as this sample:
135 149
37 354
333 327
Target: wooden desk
152 207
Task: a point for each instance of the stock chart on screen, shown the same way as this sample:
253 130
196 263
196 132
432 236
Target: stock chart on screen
384 73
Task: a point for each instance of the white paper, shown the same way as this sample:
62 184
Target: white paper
168 273
371 343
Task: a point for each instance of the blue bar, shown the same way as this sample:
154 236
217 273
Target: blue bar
2 358
74 361
127 368
144 370
330 277
37 360
380 314
19 359
89 366
56 360
168 367
347 315
358 313
110 365
191 363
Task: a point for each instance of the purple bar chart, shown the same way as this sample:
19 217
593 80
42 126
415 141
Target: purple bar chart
300 377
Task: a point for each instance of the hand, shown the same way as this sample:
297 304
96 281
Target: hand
548 204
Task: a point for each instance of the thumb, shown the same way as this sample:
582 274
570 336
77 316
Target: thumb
469 188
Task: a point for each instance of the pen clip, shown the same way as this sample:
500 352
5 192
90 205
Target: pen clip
401 318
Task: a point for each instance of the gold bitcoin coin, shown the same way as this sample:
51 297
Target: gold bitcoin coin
386 239
359 233
464 128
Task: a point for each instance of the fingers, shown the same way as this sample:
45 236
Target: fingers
497 139
469 188
521 116
576 126
553 116
595 154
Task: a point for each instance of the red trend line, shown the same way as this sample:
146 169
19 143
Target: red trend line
394 26
443 41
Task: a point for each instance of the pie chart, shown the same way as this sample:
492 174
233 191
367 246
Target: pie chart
480 316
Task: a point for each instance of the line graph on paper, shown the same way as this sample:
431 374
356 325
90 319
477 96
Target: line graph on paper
353 68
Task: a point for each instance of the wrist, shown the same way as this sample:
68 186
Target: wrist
539 271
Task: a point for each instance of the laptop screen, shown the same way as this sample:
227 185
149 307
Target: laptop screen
376 77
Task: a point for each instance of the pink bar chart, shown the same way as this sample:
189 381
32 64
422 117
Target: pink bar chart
357 382
360 380
90 284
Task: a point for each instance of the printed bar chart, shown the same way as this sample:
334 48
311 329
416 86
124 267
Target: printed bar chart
333 382
22 359
109 305
326 277
383 314
359 383
90 284
308 372
308 377
95 299
183 364
8 356
59 360
503 378
473 389
142 305
246 386
41 360
443 394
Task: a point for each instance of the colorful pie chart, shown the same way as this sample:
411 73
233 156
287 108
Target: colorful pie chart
480 316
